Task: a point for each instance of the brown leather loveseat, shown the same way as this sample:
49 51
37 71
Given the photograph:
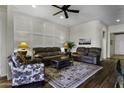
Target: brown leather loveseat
88 55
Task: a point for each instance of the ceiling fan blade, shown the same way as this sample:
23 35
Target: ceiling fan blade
57 13
74 11
56 6
67 6
66 15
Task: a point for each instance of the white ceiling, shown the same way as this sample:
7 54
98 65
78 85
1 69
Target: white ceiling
106 13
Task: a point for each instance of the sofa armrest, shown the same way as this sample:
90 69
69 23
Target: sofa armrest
29 73
37 56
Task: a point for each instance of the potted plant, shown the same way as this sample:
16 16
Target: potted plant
69 45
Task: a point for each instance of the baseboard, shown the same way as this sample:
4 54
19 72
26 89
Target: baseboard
3 78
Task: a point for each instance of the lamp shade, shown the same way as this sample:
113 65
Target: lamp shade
23 45
66 45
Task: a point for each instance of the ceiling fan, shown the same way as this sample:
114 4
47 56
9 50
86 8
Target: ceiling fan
65 9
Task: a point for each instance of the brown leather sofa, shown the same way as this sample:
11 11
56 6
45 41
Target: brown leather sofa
47 54
88 55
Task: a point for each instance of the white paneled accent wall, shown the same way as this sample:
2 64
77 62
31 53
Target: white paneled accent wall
38 32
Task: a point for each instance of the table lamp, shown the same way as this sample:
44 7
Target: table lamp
23 46
66 46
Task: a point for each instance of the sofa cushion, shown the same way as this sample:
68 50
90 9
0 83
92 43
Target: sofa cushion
92 54
82 50
45 49
81 53
52 57
89 59
38 50
95 50
53 53
43 54
56 53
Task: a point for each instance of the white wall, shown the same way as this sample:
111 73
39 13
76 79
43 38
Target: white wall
112 44
38 32
6 38
91 30
3 26
104 29
9 37
114 29
119 44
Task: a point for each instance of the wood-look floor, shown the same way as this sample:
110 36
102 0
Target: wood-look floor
117 56
105 78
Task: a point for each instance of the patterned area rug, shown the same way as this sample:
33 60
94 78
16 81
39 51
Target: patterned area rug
71 76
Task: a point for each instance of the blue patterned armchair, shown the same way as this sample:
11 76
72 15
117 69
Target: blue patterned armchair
25 73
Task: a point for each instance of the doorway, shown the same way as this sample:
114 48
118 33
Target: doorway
117 45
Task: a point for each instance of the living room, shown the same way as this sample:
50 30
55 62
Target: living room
35 28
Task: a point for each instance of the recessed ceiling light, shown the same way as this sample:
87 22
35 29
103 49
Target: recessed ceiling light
61 17
34 6
118 20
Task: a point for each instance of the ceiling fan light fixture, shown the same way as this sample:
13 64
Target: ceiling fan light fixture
61 17
34 6
118 20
